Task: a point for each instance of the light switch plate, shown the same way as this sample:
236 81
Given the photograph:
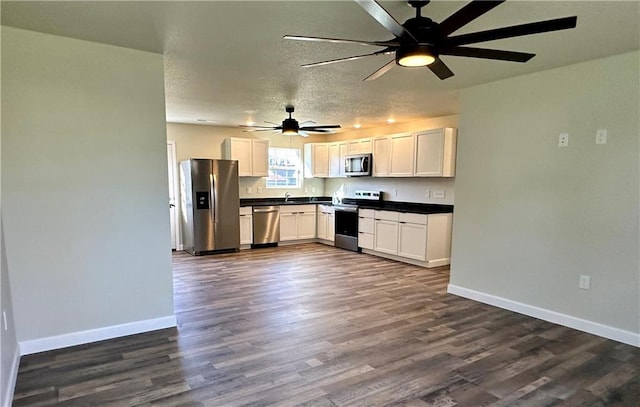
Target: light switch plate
427 194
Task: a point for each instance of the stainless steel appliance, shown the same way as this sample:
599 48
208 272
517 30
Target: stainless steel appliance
346 232
210 206
266 226
346 215
358 165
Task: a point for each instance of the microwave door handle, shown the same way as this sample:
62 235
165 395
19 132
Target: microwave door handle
363 164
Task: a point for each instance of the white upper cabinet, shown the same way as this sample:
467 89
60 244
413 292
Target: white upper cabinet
252 155
337 152
436 153
316 160
381 154
401 155
359 146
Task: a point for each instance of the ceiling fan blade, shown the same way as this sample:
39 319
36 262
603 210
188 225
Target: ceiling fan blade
513 31
307 122
252 130
467 14
319 130
381 71
260 127
340 40
326 126
385 19
277 124
303 134
441 70
352 58
488 54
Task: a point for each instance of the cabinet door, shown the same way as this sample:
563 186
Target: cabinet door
306 225
321 160
402 155
381 156
331 227
322 225
412 242
429 153
260 157
246 229
240 149
334 160
344 148
360 146
386 236
288 226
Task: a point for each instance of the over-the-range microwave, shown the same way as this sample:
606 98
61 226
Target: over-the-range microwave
358 165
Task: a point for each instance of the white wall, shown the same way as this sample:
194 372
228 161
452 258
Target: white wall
84 189
201 141
10 353
397 189
532 217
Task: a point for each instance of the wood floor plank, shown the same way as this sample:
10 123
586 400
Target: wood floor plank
312 325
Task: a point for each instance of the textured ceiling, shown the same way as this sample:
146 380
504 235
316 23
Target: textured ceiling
226 61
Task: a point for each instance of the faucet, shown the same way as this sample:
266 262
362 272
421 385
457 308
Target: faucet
286 196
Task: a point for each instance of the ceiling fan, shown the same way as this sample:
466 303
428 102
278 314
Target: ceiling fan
290 126
420 41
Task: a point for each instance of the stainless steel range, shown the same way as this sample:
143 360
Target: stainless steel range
346 235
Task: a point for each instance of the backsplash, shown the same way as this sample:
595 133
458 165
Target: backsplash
440 190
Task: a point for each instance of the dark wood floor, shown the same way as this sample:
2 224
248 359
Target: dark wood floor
310 325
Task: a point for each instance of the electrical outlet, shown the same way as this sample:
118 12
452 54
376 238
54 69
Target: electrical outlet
563 140
438 194
585 282
601 136
248 190
395 191
259 190
4 320
427 194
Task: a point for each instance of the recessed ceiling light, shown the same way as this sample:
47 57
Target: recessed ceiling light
357 126
250 123
391 120
206 121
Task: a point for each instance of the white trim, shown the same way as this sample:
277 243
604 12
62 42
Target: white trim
606 331
13 377
94 335
173 162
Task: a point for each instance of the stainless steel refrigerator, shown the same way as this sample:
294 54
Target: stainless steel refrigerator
210 206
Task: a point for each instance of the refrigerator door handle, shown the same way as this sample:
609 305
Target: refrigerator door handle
212 207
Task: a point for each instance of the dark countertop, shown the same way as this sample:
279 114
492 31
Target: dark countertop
305 200
411 207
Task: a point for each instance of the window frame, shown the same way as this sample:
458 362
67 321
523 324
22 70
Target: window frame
271 182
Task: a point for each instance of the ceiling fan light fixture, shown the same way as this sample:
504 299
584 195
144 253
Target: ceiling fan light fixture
290 127
418 55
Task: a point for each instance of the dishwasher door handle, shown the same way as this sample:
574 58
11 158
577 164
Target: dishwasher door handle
265 210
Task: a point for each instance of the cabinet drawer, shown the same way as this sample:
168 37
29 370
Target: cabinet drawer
245 210
365 240
366 225
413 218
297 208
386 215
365 213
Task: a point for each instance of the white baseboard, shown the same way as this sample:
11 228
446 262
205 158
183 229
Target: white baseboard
94 335
13 376
609 332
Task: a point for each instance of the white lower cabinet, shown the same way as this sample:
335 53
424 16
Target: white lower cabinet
246 225
366 228
325 229
412 236
419 238
297 222
385 232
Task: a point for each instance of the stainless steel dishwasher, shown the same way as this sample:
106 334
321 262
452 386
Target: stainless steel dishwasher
266 226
